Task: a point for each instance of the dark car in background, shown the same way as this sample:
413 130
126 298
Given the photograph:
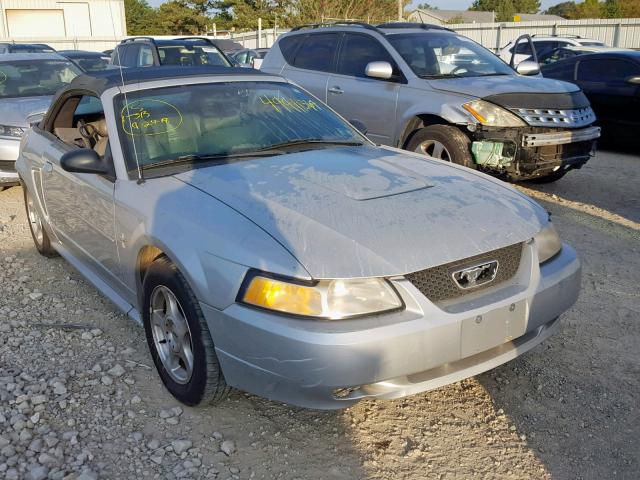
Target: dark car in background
25 48
611 82
185 52
87 61
249 56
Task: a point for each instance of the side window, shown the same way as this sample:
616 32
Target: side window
145 56
289 46
545 46
80 122
359 50
523 48
130 56
317 52
606 70
117 57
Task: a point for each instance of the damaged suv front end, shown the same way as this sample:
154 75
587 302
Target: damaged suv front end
531 136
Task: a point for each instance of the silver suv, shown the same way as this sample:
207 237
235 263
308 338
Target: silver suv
427 89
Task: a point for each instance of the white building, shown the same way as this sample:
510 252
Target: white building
23 20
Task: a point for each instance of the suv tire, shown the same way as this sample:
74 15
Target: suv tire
444 142
36 226
178 337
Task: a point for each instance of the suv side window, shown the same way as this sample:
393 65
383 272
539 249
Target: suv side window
317 52
145 56
289 47
117 57
545 46
606 70
359 50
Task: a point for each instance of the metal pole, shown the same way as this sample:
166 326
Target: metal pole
400 8
259 32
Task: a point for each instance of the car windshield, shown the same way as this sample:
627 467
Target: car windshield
92 64
31 78
188 55
220 121
446 55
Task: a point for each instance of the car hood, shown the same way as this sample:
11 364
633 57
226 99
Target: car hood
14 111
366 211
485 86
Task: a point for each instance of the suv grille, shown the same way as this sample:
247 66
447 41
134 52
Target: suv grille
551 117
437 283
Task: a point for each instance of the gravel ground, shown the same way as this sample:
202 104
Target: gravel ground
78 398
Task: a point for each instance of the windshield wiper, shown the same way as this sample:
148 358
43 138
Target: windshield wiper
310 141
193 158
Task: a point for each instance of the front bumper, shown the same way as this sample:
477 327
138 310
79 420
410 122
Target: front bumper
329 365
9 149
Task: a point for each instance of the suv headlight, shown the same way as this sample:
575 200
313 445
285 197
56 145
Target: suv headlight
548 243
324 299
9 131
491 115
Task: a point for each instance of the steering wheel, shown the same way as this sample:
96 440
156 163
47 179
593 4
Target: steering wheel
89 133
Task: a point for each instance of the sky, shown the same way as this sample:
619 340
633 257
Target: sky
443 4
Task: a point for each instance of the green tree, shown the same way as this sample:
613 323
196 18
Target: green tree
567 10
140 17
506 6
175 18
427 6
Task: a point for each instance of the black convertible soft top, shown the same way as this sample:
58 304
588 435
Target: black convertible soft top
100 81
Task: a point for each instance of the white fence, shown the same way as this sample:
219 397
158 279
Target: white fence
623 32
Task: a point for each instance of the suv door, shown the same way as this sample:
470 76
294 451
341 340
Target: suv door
313 62
358 97
81 206
605 82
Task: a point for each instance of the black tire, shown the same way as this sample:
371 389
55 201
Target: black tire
206 384
457 145
552 177
40 236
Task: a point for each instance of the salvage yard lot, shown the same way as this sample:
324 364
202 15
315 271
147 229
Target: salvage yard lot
78 394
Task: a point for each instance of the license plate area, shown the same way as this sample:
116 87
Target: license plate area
493 328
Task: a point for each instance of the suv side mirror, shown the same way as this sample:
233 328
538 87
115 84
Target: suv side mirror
84 160
35 118
528 67
381 70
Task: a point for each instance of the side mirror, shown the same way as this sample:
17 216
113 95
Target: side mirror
634 80
84 160
528 68
358 125
381 70
35 118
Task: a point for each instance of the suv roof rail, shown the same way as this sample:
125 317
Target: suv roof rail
208 40
345 23
423 26
133 39
555 35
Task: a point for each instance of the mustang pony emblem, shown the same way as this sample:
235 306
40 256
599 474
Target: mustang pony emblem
477 275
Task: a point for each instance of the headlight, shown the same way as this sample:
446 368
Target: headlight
491 115
548 243
327 299
9 131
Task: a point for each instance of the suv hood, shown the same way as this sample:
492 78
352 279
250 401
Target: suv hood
481 87
16 110
365 211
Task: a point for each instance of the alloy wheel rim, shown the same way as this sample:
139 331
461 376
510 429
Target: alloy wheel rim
171 334
34 221
434 149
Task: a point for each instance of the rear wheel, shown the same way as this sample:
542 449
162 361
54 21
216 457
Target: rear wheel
443 142
38 233
178 337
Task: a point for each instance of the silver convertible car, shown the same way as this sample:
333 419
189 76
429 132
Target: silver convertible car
265 244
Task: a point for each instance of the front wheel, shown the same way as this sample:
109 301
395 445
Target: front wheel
38 233
443 142
178 337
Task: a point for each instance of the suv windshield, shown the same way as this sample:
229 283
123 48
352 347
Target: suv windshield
201 122
446 55
188 55
32 78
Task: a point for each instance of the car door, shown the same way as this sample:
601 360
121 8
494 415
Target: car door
358 97
313 63
80 206
606 82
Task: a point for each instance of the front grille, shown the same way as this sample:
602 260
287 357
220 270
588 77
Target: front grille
437 283
551 117
7 166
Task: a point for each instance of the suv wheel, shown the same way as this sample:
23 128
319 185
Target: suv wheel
178 337
443 142
38 233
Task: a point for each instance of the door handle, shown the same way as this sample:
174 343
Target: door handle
336 90
47 167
